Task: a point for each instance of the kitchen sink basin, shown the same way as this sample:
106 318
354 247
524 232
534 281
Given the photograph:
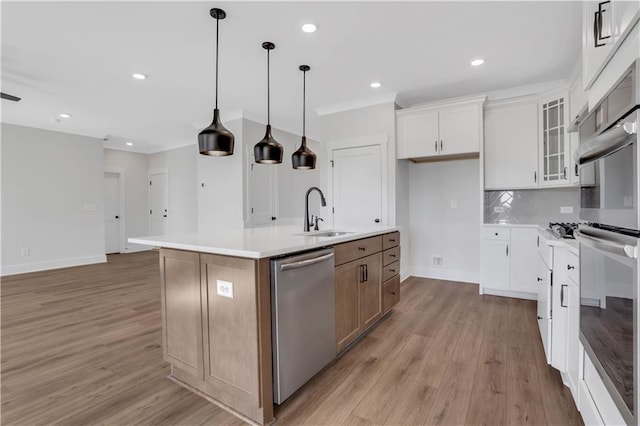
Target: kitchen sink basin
325 233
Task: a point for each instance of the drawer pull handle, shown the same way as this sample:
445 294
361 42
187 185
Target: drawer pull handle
393 292
496 233
539 279
570 267
392 270
392 240
539 317
392 255
361 248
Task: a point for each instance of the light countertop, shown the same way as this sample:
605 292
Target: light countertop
552 240
257 243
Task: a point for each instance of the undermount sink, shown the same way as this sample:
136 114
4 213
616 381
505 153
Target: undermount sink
325 233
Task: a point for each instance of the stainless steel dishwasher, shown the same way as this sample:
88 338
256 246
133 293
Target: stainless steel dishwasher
303 319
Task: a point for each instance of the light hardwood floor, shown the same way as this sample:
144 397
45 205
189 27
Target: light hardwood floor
83 346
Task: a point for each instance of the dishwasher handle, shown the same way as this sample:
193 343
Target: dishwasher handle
303 263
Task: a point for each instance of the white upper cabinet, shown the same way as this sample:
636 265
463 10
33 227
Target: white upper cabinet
511 145
554 143
440 132
605 25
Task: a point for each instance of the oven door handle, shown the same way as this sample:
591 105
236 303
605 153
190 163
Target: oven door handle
606 143
613 247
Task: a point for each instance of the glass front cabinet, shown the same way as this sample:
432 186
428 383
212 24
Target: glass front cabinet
554 164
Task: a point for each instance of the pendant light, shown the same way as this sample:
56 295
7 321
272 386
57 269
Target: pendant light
304 158
216 140
268 150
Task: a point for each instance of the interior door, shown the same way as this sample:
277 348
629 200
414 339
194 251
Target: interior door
111 212
262 209
357 186
158 204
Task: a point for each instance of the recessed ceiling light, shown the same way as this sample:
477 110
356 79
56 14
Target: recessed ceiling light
477 62
376 84
309 28
129 143
139 76
64 115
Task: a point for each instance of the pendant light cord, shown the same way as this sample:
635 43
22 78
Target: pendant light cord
268 90
217 37
304 103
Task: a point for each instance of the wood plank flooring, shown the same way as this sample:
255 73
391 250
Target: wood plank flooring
82 346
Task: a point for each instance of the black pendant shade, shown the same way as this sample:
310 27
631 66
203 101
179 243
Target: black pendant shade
216 140
268 150
304 158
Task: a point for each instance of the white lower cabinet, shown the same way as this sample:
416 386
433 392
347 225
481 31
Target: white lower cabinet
506 261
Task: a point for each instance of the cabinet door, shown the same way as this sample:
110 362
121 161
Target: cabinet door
524 247
554 141
460 130
544 306
231 326
511 146
347 282
181 318
575 169
418 134
371 290
559 302
573 333
495 260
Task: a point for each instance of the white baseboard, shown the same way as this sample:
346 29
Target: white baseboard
509 293
134 248
404 274
447 274
53 264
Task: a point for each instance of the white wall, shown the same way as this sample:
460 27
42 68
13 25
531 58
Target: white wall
437 229
51 182
182 167
134 168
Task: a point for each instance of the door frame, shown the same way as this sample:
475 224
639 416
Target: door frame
381 140
121 201
248 192
152 172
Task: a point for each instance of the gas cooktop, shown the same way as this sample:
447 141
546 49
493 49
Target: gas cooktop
563 230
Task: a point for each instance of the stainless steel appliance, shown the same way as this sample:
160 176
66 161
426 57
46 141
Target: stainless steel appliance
609 236
303 319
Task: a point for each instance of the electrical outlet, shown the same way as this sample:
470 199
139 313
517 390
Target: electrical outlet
566 209
454 204
26 251
438 261
498 209
224 288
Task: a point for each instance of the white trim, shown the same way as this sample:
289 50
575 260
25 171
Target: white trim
381 140
122 238
447 274
453 102
52 264
382 98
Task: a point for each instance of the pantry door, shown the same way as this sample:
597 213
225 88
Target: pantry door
358 185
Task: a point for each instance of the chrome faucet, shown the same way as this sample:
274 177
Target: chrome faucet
307 221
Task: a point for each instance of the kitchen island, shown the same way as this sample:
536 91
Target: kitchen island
216 304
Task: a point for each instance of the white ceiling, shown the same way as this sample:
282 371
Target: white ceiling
77 57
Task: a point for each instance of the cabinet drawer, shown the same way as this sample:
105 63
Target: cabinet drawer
390 293
390 240
390 270
353 250
390 256
496 233
573 267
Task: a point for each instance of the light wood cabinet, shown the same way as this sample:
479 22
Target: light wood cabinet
367 286
181 319
446 131
217 345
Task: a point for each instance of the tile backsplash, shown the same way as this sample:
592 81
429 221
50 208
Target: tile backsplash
531 206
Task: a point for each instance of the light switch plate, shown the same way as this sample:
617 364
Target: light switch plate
566 209
224 288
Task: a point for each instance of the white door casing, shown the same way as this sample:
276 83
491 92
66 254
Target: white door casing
262 196
359 185
113 218
158 203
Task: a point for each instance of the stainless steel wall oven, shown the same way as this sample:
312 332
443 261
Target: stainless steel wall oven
609 234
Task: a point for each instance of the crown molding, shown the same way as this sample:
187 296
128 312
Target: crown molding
382 98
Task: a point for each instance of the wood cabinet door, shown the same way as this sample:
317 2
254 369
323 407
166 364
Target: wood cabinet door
511 146
347 282
418 134
371 290
181 319
460 130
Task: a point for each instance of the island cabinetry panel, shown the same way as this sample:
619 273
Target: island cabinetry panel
181 319
367 287
217 329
